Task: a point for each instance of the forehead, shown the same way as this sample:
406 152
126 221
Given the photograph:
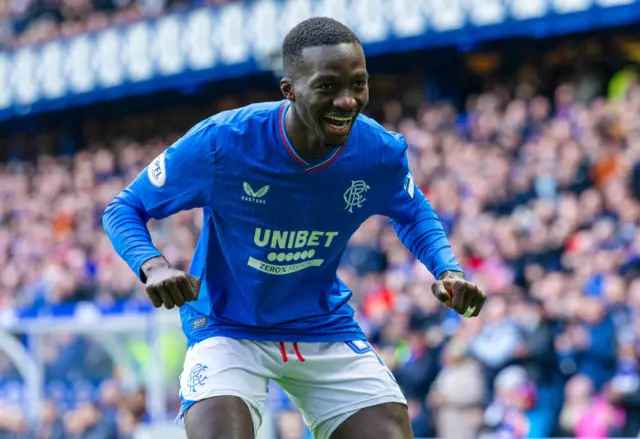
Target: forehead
339 59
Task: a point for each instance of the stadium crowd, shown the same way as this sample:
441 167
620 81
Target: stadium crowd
541 200
25 22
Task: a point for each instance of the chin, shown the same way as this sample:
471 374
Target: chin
332 144
333 141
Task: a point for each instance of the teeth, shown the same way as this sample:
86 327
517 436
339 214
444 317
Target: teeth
342 119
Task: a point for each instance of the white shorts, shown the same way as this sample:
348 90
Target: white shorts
328 382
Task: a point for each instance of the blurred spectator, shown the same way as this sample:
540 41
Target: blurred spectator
587 414
538 358
291 426
416 370
12 423
624 389
50 425
457 397
126 424
506 417
499 341
590 342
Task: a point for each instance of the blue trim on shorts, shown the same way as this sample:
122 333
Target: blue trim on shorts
379 359
393 378
184 406
358 350
369 348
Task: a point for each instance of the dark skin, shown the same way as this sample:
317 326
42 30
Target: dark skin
455 292
166 285
330 81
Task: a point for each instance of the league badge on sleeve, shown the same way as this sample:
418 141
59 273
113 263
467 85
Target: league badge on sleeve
157 171
409 185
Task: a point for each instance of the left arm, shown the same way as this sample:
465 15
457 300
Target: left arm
417 225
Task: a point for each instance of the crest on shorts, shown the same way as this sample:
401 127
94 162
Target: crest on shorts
196 377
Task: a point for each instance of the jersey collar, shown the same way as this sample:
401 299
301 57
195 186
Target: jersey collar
292 152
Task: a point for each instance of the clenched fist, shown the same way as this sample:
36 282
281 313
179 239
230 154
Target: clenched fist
168 286
454 291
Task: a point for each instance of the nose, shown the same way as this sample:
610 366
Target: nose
345 102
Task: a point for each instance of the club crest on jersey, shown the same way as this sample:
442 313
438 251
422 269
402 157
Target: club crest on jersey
354 195
157 171
253 196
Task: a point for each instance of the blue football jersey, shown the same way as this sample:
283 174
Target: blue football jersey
275 225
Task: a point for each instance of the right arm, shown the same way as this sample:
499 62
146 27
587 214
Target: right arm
181 178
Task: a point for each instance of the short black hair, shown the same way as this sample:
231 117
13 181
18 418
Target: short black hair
312 32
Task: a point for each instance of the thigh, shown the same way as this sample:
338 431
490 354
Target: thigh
221 375
219 417
336 380
384 421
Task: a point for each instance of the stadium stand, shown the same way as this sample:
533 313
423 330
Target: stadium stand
536 177
27 22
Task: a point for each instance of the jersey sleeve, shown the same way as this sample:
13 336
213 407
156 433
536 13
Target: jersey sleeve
180 178
415 221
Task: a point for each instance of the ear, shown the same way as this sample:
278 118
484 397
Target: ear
286 87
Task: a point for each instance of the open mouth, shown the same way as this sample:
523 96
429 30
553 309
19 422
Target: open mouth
338 125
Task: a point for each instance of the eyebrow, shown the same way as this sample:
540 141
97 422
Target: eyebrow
330 76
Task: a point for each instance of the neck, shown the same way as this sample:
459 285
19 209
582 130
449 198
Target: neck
306 143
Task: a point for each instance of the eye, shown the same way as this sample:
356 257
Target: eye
325 87
361 84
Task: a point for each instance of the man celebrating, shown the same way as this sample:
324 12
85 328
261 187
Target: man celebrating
283 186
